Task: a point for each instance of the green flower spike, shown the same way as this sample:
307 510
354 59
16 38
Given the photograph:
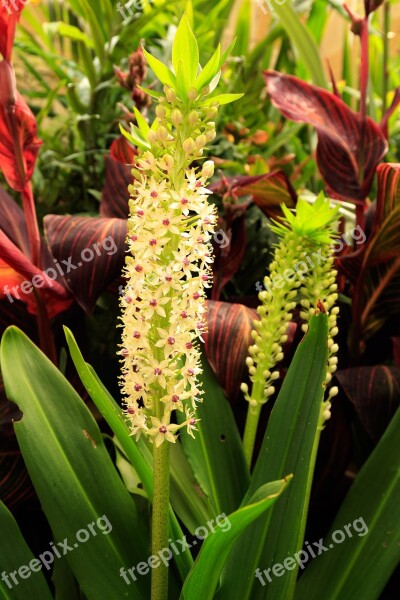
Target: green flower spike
302 267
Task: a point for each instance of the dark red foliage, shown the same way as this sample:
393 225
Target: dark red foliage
349 148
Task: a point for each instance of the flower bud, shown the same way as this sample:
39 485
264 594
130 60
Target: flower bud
176 117
192 95
201 141
189 146
212 113
208 169
152 136
162 133
193 118
170 94
210 135
160 111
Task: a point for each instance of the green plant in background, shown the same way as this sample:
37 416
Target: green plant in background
302 260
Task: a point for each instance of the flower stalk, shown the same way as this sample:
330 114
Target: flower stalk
305 241
167 269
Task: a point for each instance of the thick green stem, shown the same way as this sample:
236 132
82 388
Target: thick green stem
250 432
160 521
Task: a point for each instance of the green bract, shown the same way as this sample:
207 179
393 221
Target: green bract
313 221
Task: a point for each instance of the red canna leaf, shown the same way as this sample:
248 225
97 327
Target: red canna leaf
229 247
227 343
122 151
268 191
90 250
114 202
349 149
12 222
375 394
19 145
9 16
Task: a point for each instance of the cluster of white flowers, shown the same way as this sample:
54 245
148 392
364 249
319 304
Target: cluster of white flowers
164 303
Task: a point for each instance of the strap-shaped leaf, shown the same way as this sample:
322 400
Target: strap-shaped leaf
185 52
16 557
289 446
360 565
203 579
72 473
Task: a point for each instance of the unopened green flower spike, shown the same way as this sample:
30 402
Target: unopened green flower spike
302 267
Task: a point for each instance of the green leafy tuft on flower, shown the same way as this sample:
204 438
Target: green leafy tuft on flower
315 222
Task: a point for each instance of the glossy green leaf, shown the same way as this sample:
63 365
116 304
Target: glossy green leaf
289 446
138 453
221 99
359 565
135 137
160 70
73 474
209 71
302 41
204 576
185 52
216 453
27 580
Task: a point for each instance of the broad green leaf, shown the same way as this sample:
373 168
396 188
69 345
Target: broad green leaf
302 41
138 453
216 454
289 446
203 579
65 585
74 477
185 52
221 99
358 564
16 557
209 71
160 70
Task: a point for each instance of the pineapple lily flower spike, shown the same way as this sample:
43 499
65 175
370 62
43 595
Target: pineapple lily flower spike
168 264
305 239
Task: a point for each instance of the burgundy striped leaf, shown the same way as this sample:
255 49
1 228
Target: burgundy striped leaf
376 290
115 198
349 149
12 222
122 151
268 191
388 192
229 247
90 251
19 144
227 343
375 394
